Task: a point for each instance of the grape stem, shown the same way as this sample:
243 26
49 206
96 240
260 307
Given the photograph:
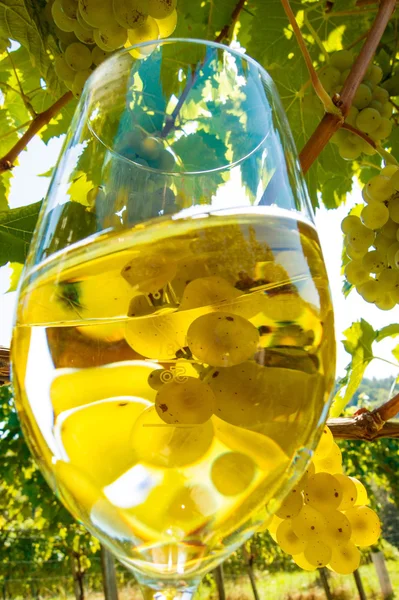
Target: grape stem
328 104
330 123
387 156
40 120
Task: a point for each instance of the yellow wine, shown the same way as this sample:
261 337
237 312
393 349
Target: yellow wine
170 378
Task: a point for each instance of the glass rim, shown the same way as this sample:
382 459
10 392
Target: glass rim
97 75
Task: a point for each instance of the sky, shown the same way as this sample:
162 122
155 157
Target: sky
29 187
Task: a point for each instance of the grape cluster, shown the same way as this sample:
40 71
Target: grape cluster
370 111
324 519
372 241
88 30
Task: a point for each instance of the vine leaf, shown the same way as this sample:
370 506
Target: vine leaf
391 330
359 339
19 22
16 229
16 272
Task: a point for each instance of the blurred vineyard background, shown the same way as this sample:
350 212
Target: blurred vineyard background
45 554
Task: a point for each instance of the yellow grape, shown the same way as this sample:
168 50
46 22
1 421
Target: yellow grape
317 553
222 339
338 528
189 402
288 540
273 526
291 506
345 559
144 33
366 526
330 464
349 491
304 479
206 291
302 562
232 473
167 25
362 497
325 444
309 524
161 8
191 507
96 14
149 274
163 445
158 337
323 492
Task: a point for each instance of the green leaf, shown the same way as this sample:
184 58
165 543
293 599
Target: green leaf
15 275
200 151
395 352
342 5
60 124
20 20
359 339
5 184
16 229
391 330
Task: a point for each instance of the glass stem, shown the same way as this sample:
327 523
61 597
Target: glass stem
169 594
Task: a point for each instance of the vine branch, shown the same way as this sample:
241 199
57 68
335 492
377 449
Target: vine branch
40 120
332 122
317 85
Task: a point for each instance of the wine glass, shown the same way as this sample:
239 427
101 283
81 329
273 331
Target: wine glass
173 353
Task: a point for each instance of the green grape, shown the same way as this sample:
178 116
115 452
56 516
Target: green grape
70 8
349 223
84 35
323 492
160 9
63 70
188 402
361 498
232 473
389 170
300 560
308 473
98 55
349 491
317 553
273 526
370 291
369 84
330 464
366 146
165 162
291 506
355 272
386 302
130 13
388 279
79 82
310 524
349 151
391 253
288 541
340 137
381 243
110 38
326 441
374 215
158 378
78 56
379 188
342 59
140 306
64 37
354 254
374 74
387 110
62 21
362 97
377 106
159 337
366 526
81 20
368 120
150 147
144 33
163 445
329 77
206 291
222 339
383 131
390 230
394 209
149 274
167 25
338 528
243 393
345 559
380 94
360 238
352 116
374 261
97 14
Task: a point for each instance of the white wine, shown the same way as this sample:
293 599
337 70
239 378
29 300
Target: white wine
170 375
